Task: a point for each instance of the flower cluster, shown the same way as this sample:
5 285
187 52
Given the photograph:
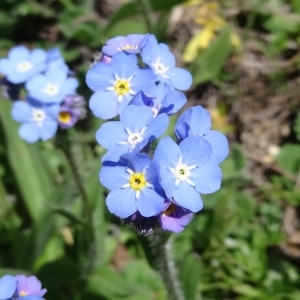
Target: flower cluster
136 78
51 99
21 287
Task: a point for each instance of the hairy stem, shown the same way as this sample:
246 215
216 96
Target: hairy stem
159 251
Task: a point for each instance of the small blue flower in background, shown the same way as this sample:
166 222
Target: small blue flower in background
174 218
133 132
196 121
116 84
38 121
133 182
159 58
132 43
22 64
52 87
186 171
8 286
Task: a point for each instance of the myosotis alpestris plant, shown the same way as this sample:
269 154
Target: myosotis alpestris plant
152 183
136 78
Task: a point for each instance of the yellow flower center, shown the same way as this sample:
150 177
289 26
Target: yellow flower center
64 117
129 47
137 181
122 87
22 293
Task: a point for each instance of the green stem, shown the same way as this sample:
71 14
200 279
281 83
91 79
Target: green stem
87 212
158 248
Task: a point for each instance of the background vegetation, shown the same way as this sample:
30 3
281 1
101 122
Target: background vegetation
245 244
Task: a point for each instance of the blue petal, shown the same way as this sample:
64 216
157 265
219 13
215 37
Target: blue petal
38 56
180 78
207 178
124 65
186 196
121 202
167 181
166 57
219 145
104 105
69 86
173 102
19 54
29 132
21 111
8 286
113 175
167 152
149 203
99 77
48 130
114 153
110 133
157 127
195 151
136 161
136 117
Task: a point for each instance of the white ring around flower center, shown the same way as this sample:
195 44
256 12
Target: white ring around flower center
24 66
182 173
38 115
160 68
51 89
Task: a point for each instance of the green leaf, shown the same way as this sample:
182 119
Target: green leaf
190 275
27 164
289 158
208 64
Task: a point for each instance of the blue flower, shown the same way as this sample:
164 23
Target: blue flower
115 84
131 133
162 98
159 58
196 121
132 43
52 87
21 64
186 171
133 182
8 286
39 121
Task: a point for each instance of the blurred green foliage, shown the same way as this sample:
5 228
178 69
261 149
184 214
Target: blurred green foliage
231 248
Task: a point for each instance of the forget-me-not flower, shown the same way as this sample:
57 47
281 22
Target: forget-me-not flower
38 121
29 286
132 43
186 171
133 132
115 84
196 121
174 218
21 64
162 98
133 185
53 86
159 58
